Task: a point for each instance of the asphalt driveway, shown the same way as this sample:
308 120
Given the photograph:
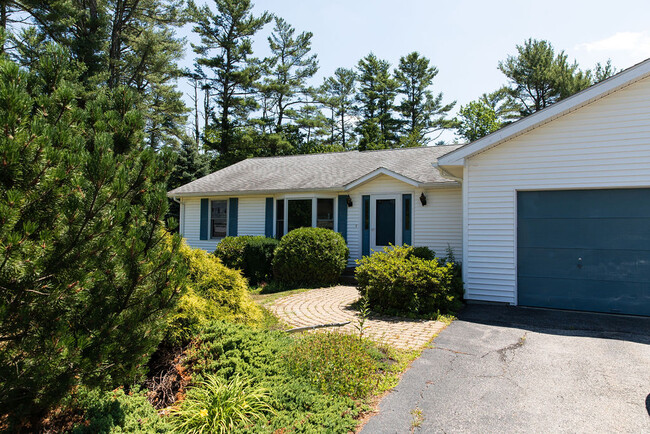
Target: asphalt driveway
508 369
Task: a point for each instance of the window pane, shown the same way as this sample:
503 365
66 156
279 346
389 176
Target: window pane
218 218
325 213
299 213
279 221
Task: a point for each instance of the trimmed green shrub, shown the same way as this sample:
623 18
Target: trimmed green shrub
252 255
311 256
423 252
336 363
213 292
396 280
231 251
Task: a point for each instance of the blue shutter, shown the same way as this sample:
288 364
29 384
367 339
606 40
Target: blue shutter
365 225
407 219
203 232
233 205
268 222
343 217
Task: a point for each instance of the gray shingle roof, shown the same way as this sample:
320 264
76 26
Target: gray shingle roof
318 171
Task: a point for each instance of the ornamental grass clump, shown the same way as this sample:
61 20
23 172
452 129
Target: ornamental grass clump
215 405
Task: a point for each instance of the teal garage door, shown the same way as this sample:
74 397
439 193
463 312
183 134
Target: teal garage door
584 250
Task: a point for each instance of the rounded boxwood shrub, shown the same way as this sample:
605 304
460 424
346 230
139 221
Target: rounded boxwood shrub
311 256
253 255
396 280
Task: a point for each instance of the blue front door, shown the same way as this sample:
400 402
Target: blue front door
584 250
385 233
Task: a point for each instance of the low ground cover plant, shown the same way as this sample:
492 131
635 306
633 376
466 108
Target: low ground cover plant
310 256
253 255
397 280
336 363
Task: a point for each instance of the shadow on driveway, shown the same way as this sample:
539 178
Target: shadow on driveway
560 322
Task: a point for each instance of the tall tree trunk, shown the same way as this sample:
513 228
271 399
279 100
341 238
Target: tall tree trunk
196 113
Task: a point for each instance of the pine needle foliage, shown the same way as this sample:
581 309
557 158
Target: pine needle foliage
85 275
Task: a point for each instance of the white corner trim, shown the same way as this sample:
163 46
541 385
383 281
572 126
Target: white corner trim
381 171
560 108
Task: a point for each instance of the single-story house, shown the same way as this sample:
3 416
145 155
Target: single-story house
550 211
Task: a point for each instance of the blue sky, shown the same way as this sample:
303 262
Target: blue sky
464 39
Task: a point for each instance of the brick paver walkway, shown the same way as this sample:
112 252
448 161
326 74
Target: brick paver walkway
332 305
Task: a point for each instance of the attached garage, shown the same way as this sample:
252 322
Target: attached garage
584 250
556 207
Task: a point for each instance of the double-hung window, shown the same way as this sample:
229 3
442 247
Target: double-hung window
218 218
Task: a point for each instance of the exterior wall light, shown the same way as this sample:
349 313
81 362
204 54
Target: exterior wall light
423 199
349 200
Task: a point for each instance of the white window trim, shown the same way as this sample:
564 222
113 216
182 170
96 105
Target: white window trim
314 208
210 217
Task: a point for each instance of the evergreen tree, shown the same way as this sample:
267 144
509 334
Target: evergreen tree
118 43
190 165
422 112
86 273
477 119
225 50
377 127
538 77
603 72
337 94
287 70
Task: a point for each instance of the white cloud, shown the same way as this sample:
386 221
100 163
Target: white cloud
634 44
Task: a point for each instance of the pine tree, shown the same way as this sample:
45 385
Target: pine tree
118 43
225 51
287 70
337 94
422 112
377 127
538 77
86 273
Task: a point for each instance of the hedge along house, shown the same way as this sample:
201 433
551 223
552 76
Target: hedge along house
556 207
372 198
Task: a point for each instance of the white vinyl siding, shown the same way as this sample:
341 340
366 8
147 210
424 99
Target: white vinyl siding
250 220
605 144
435 225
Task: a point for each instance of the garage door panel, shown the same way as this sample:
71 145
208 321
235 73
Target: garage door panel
594 296
587 233
584 250
623 265
588 204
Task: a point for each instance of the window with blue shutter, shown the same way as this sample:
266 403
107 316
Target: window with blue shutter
233 205
268 218
343 217
203 230
407 220
365 225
